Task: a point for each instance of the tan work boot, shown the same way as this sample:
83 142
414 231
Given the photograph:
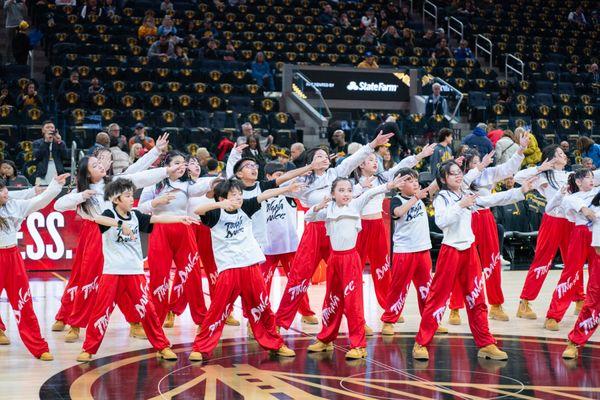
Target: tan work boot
387 329
232 321
368 330
285 351
136 330
551 324
170 320
84 357
46 356
420 352
4 340
167 354
578 307
309 320
571 351
357 353
318 347
492 352
58 326
441 330
195 356
525 311
454 318
400 320
497 312
72 335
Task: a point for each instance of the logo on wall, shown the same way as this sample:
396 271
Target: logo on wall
371 87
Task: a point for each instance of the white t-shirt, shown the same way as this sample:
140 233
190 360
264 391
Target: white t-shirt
281 224
259 218
123 255
411 231
233 242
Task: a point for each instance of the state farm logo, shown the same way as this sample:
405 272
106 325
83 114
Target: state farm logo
371 87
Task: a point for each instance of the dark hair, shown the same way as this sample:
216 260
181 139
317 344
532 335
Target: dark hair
83 182
12 165
357 174
238 165
3 221
407 171
96 154
273 167
596 200
579 174
118 187
584 143
443 173
443 134
212 164
338 180
165 162
548 153
309 155
48 121
223 188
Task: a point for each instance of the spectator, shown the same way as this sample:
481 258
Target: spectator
297 153
210 51
468 9
230 53
396 142
506 146
253 150
327 17
225 145
388 161
442 151
405 14
439 35
429 40
505 95
533 154
212 167
340 146
261 72
102 142
139 136
167 28
71 85
590 149
462 52
493 133
180 53
5 98
284 157
162 48
248 130
593 76
9 174
208 26
95 87
382 153
114 130
368 37
20 44
352 148
109 9
369 20
588 163
435 103
344 22
49 153
120 158
408 38
91 8
30 98
566 148
148 28
577 18
442 50
368 62
136 152
390 37
15 11
478 140
166 6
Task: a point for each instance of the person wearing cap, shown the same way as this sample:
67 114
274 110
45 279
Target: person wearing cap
139 136
368 62
162 47
20 44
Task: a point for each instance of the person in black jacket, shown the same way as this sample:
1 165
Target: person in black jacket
49 153
20 44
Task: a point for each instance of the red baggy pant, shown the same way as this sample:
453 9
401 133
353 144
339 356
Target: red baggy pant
85 286
314 246
554 233
407 267
589 316
170 243
486 241
248 283
13 278
570 283
268 269
463 266
372 245
110 289
344 297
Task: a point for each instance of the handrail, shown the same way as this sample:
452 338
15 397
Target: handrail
308 82
73 159
460 94
478 46
515 70
433 14
30 57
455 30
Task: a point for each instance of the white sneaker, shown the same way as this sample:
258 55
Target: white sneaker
504 262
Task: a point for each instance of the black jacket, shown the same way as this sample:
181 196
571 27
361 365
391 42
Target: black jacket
41 156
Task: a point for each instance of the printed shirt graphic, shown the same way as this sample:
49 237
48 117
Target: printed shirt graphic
233 242
281 225
411 231
258 219
123 255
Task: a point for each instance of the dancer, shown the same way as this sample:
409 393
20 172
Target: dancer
314 246
411 245
344 293
13 276
555 229
374 233
238 256
577 208
485 228
458 261
123 269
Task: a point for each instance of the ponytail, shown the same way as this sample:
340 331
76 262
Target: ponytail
572 181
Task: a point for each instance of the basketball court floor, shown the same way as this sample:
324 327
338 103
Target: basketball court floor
126 368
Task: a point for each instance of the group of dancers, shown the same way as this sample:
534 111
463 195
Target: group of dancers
239 229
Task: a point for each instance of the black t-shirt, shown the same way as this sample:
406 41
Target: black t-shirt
249 206
143 220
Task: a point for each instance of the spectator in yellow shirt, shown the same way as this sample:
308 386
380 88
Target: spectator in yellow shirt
368 62
148 28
